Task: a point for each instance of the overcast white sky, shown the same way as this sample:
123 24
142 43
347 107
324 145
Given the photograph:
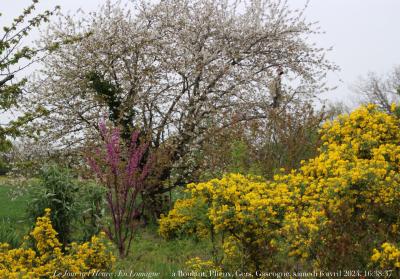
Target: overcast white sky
364 34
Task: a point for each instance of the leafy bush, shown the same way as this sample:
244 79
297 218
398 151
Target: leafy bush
91 205
244 210
331 213
55 189
46 258
4 167
77 206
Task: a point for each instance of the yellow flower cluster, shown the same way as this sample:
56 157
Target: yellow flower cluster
350 193
327 213
47 260
187 217
246 209
388 257
199 265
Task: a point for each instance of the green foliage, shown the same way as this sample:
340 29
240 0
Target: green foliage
77 207
15 57
12 225
91 207
57 190
107 92
338 210
152 253
10 207
239 153
396 111
262 147
5 146
4 168
8 233
110 94
4 165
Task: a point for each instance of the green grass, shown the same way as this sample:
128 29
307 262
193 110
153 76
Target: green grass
14 210
13 224
151 253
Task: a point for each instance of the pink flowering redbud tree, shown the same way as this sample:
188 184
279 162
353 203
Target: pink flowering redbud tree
122 169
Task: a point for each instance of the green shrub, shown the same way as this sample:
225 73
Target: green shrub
91 206
57 190
77 207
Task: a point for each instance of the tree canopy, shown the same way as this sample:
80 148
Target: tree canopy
15 56
174 70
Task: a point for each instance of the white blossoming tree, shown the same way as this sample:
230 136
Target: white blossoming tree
174 69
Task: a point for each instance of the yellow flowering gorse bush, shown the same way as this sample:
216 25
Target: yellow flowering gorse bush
387 257
47 259
187 217
330 213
